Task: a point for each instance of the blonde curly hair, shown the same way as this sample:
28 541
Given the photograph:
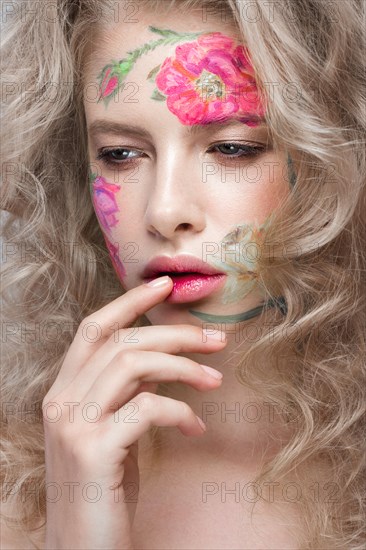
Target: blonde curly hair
308 58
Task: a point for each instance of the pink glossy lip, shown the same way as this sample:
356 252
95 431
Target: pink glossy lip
189 287
192 278
185 263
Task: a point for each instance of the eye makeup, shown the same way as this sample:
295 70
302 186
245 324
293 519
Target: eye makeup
237 152
108 157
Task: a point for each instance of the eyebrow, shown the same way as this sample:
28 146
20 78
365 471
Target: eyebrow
101 126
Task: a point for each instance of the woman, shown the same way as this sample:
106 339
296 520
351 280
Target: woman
184 182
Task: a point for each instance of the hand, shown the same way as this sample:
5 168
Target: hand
103 407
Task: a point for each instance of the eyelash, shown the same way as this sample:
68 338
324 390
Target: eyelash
249 151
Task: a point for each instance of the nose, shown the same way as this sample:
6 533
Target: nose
175 205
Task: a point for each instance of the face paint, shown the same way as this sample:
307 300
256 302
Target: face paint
291 171
231 319
116 260
105 206
112 75
104 201
208 80
242 277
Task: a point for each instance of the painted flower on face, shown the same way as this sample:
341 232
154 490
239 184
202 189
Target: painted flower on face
243 244
105 206
112 76
116 260
104 201
209 80
109 82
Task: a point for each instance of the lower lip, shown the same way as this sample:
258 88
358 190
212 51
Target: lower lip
192 287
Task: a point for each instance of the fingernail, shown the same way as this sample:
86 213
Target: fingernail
160 281
217 335
201 423
213 372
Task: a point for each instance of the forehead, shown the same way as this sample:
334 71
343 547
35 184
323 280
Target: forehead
203 74
116 37
131 31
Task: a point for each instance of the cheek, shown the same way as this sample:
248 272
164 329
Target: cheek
106 208
105 203
269 196
254 191
115 258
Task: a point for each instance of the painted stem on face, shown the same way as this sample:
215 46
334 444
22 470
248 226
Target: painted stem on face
244 316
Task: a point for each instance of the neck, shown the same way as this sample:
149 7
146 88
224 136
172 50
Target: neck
240 422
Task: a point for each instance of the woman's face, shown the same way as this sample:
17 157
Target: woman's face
180 159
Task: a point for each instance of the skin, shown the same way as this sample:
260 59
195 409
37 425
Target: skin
240 203
162 205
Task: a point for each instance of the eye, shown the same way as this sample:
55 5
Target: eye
123 157
117 157
237 150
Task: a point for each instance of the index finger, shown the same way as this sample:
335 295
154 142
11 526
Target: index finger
127 308
103 323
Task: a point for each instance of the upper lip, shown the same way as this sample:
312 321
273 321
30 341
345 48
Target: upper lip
179 264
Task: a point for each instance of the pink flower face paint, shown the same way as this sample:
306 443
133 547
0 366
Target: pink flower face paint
105 206
209 79
116 260
104 201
